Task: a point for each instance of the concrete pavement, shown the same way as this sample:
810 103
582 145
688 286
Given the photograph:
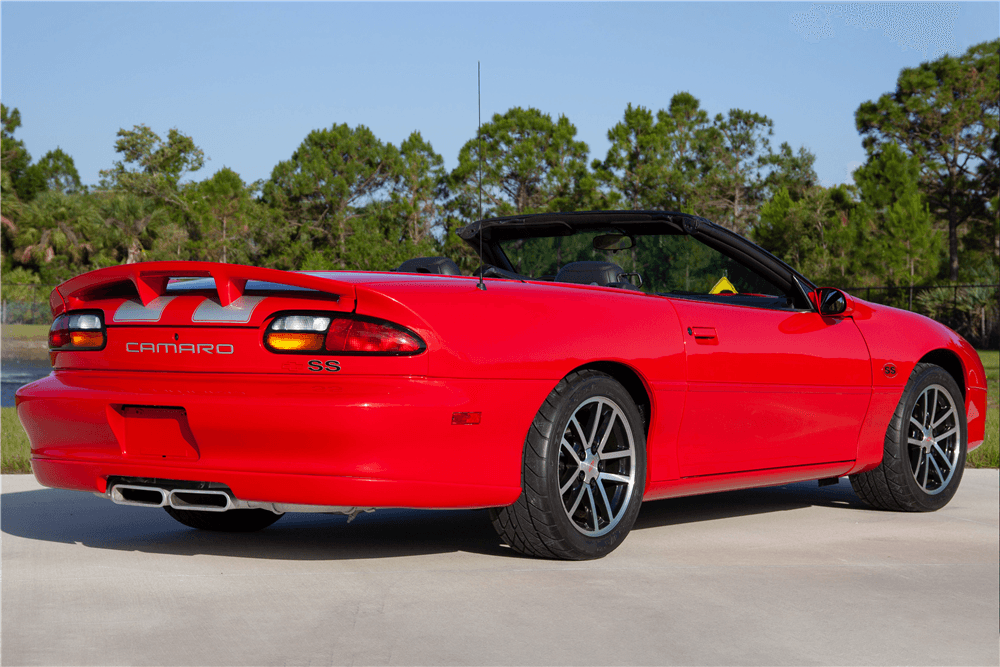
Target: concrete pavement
786 575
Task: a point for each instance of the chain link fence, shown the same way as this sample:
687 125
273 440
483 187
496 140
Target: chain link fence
25 304
971 310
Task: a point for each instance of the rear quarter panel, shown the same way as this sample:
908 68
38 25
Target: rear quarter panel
521 331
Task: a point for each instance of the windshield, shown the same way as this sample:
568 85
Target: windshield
665 263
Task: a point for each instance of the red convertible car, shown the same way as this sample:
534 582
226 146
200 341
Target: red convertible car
597 360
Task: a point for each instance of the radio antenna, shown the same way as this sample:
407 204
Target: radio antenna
479 136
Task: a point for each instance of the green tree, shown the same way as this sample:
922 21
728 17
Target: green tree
59 236
946 114
733 155
419 189
815 232
901 243
323 189
128 218
790 170
58 172
223 211
15 156
530 164
153 167
633 171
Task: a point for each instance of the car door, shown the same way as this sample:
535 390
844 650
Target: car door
769 388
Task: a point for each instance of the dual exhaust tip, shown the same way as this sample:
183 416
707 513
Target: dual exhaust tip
205 500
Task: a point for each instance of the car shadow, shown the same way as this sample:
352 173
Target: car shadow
746 502
72 517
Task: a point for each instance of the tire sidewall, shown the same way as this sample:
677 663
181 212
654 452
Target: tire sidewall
930 376
605 387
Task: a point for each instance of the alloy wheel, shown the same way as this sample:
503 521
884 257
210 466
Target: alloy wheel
596 466
933 439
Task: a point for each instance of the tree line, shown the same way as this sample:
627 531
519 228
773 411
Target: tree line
922 209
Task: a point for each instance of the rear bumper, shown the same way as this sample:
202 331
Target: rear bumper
359 441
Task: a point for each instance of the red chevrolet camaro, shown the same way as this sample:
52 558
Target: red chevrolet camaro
597 360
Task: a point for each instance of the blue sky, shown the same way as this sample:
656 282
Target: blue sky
248 81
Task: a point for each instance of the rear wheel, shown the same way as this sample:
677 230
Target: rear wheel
925 447
230 521
583 473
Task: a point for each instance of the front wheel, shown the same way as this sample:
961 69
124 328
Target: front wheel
583 473
925 447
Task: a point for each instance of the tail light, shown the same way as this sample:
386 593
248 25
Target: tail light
304 333
78 331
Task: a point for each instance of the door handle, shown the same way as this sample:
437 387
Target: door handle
703 333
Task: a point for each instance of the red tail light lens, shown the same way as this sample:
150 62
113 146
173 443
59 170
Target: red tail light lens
301 333
59 333
371 337
78 331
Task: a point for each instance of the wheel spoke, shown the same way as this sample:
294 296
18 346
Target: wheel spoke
946 434
576 503
927 469
947 414
933 411
569 448
597 421
616 454
579 431
565 487
607 503
911 441
915 421
936 467
916 470
944 457
607 431
612 477
593 505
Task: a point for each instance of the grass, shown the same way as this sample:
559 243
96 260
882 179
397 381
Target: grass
38 332
16 454
987 455
25 341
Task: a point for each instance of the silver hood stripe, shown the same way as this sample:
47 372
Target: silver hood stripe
238 312
134 311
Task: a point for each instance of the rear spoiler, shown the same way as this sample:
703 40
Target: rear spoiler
150 280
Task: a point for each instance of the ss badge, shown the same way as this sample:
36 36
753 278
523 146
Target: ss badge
330 365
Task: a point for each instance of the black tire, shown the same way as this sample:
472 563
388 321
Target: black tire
921 469
231 521
577 524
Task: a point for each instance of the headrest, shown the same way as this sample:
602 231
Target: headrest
586 273
441 266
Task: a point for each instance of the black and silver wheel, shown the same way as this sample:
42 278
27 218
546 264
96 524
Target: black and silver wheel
583 473
925 447
231 521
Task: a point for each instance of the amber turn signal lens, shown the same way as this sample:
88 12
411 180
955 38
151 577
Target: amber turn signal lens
86 338
293 342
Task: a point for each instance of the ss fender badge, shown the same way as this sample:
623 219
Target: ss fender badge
330 365
889 370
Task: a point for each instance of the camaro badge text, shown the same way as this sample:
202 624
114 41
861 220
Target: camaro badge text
178 348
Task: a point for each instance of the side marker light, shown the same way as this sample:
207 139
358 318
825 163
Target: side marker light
466 418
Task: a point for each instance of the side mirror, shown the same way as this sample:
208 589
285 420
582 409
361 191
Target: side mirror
833 302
